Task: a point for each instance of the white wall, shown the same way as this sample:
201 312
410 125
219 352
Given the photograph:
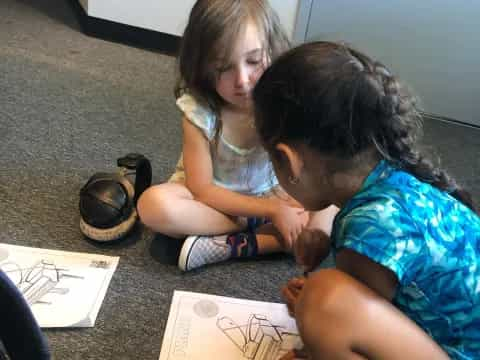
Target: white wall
287 11
433 45
160 15
169 16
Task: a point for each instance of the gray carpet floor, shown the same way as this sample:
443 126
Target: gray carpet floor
70 105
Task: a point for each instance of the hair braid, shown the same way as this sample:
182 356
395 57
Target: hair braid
343 103
401 127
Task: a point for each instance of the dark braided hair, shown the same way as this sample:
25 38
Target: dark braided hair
341 102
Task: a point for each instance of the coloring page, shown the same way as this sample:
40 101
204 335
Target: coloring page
63 289
202 326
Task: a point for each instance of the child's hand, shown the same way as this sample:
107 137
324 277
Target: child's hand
311 247
290 293
288 356
289 221
295 354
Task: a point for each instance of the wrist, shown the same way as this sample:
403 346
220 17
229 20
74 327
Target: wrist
270 208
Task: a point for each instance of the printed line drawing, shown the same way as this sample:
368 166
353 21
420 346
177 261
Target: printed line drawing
37 281
258 339
205 326
63 288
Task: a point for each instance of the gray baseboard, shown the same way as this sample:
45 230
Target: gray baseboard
431 116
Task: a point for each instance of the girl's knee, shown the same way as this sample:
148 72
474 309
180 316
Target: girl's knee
327 294
323 291
325 309
155 206
146 204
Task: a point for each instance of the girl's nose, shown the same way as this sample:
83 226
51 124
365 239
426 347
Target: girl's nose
242 77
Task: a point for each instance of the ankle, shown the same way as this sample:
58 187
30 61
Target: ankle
243 244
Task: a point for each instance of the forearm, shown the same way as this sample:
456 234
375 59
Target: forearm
232 203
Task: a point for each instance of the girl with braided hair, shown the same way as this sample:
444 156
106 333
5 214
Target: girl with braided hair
340 129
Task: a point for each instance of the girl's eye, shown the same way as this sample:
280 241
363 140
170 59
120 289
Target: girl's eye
223 69
254 61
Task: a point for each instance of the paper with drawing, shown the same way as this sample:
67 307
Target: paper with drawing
202 326
63 289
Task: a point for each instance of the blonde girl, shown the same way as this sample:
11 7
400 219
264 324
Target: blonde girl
223 196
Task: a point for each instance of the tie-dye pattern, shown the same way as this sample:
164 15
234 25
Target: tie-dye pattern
431 242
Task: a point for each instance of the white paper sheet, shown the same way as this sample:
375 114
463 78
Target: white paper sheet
202 326
63 289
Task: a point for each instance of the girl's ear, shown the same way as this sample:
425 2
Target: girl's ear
293 159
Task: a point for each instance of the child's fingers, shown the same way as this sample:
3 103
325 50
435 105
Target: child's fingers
303 217
288 245
300 353
290 299
294 290
311 248
294 354
288 356
296 283
291 292
288 302
294 235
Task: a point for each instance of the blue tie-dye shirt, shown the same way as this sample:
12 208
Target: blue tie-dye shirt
431 241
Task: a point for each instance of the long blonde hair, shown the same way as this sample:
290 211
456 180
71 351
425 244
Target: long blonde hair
211 33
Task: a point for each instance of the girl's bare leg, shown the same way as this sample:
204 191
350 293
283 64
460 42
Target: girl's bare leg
171 210
268 240
340 318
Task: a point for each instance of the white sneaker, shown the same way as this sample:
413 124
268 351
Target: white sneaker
198 251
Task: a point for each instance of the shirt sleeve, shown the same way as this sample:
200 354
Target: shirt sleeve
197 114
384 232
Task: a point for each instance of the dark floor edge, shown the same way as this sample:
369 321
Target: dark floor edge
448 120
125 34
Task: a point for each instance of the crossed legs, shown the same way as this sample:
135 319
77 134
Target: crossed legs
171 209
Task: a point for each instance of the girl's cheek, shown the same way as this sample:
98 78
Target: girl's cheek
262 68
258 73
266 62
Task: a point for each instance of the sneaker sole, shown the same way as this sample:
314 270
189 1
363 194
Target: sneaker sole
185 252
